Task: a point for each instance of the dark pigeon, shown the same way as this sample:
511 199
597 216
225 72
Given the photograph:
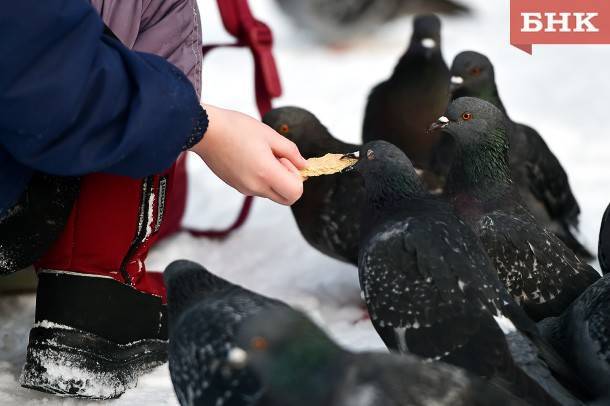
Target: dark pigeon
540 179
301 366
431 290
204 313
339 22
603 252
400 109
540 272
328 213
582 335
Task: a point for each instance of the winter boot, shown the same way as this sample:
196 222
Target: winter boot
92 336
100 316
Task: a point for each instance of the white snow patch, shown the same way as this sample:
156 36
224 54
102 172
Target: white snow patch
50 324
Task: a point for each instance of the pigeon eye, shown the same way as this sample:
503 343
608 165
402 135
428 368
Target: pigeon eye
259 343
370 155
476 71
466 116
284 128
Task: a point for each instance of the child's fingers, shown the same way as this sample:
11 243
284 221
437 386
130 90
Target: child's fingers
284 148
285 183
271 194
290 166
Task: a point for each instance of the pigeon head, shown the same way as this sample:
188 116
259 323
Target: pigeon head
480 132
301 127
424 47
474 122
290 354
389 176
426 32
472 75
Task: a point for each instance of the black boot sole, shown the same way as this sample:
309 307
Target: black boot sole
70 362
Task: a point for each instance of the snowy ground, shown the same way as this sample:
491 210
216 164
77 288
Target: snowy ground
560 91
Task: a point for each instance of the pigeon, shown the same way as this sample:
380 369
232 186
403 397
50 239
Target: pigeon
540 179
582 335
603 252
540 272
424 273
301 366
400 109
204 312
328 213
338 22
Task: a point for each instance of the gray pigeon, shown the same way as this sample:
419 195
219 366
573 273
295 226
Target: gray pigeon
540 272
301 366
540 179
204 313
431 289
338 22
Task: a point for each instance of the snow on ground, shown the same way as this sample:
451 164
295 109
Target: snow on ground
560 91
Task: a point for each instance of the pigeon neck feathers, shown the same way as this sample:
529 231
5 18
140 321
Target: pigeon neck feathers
481 169
392 188
418 59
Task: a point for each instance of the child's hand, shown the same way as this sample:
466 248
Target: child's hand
251 157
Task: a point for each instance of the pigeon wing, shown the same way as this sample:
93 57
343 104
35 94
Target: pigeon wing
539 271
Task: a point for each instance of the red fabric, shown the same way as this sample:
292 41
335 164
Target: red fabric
101 236
256 35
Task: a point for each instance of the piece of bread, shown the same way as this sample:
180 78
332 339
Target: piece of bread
326 165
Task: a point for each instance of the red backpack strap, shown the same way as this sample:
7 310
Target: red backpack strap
255 35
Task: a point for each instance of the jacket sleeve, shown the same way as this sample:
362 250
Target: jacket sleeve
74 100
168 28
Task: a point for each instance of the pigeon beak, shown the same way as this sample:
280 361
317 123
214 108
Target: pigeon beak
442 122
428 43
237 358
456 83
351 155
457 80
